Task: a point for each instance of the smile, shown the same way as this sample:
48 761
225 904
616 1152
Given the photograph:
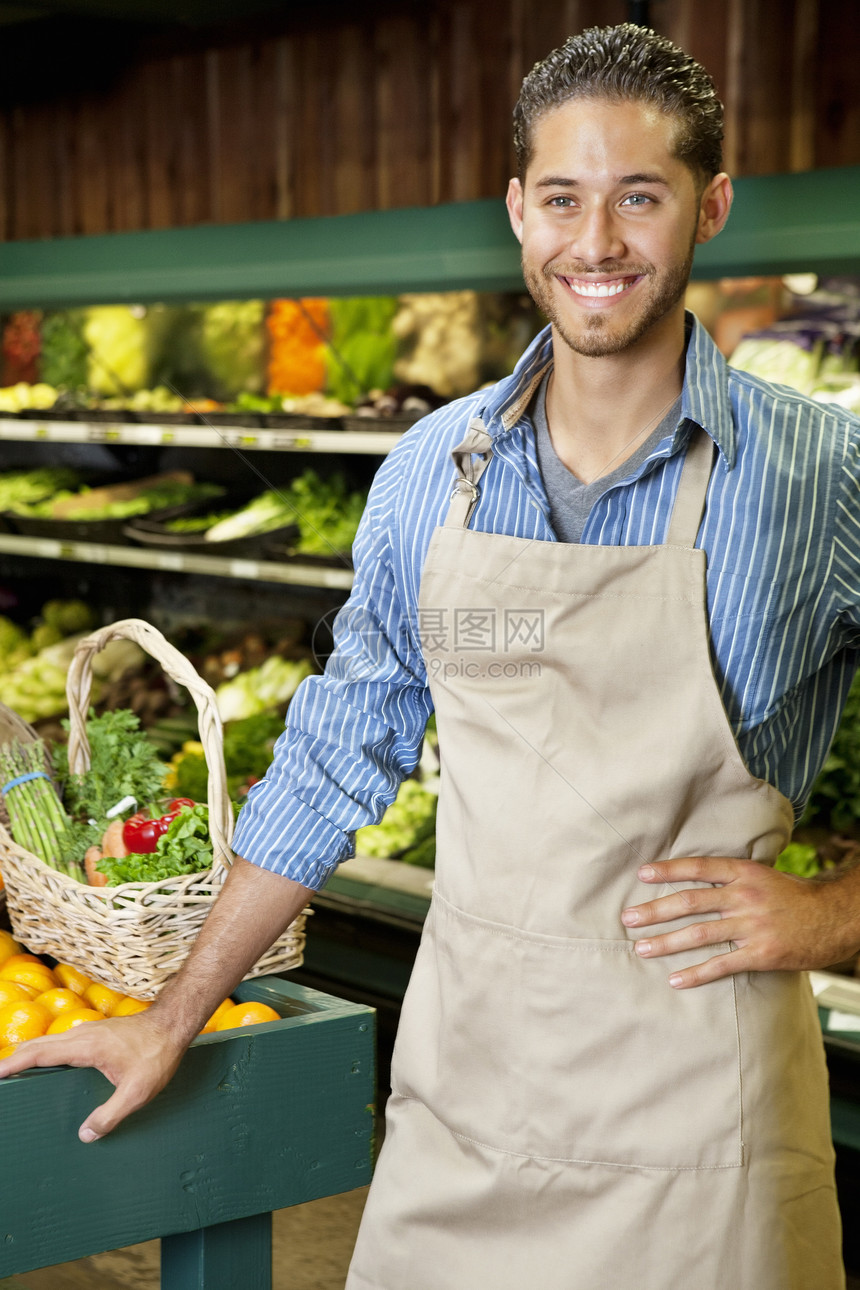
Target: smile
598 290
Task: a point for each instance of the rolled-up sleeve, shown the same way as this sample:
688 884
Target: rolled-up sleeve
351 735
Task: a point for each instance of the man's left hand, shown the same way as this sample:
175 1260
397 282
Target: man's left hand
774 920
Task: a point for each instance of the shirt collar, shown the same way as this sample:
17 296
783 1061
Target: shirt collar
704 398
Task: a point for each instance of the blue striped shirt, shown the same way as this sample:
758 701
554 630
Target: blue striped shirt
782 535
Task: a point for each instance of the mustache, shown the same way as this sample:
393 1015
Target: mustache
607 269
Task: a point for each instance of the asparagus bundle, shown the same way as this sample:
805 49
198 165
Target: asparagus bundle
36 814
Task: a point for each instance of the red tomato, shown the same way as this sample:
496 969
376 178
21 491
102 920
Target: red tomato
140 835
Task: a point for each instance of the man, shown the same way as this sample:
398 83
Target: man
645 701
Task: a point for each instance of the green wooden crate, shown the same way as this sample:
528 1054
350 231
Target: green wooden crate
254 1120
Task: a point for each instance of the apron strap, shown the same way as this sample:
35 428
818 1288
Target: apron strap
471 457
690 499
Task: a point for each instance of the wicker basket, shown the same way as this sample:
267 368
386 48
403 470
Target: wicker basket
132 937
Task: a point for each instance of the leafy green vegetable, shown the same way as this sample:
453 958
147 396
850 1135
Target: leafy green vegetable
407 825
834 802
260 688
362 348
799 858
170 493
184 848
248 746
196 523
232 342
271 510
64 350
123 764
423 854
326 512
24 487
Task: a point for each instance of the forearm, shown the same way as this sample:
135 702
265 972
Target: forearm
840 897
254 907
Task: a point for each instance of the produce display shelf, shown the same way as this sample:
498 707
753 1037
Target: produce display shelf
360 442
294 573
254 1120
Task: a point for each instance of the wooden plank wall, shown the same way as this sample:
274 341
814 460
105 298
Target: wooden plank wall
394 105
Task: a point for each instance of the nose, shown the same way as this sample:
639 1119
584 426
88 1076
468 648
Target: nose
597 235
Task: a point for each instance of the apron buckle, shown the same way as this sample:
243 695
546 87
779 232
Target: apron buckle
463 487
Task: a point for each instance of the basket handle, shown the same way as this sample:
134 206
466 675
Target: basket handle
176 665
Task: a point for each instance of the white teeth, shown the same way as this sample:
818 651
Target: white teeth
596 288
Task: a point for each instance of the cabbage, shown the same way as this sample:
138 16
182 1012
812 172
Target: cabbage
232 344
260 688
784 361
122 342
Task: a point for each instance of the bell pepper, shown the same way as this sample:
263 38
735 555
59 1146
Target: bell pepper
141 835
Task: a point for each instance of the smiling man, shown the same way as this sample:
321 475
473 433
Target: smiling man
633 601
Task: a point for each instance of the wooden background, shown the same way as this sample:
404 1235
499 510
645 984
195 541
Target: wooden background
361 108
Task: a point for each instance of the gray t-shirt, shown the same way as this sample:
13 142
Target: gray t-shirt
570 500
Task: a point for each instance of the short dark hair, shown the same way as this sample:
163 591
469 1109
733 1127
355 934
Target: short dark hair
627 63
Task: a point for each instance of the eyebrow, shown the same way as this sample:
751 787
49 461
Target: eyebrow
562 181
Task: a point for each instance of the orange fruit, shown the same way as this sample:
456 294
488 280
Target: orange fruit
8 945
212 1023
102 998
24 956
7 1051
24 1020
58 1000
12 992
28 971
247 1014
72 978
75 1017
127 1006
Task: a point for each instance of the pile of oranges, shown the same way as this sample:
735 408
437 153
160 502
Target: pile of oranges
36 1000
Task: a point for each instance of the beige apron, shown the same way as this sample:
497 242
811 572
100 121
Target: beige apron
561 1117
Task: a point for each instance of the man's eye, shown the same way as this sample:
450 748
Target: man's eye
562 203
637 199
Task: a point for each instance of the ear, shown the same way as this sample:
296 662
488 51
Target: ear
714 207
514 203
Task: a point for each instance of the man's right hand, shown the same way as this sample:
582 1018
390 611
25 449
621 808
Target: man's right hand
134 1053
139 1054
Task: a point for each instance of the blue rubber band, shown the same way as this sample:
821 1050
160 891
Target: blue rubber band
23 779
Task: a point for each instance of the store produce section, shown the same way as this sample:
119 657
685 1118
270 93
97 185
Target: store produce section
368 920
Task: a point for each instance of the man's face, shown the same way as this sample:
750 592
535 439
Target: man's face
608 219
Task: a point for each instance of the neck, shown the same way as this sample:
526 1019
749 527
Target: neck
600 410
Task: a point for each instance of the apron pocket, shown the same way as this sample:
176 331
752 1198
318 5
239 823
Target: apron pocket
569 1049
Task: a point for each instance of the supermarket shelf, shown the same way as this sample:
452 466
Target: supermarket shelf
371 442
296 574
780 223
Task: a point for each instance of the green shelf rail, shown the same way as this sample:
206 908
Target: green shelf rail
808 221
